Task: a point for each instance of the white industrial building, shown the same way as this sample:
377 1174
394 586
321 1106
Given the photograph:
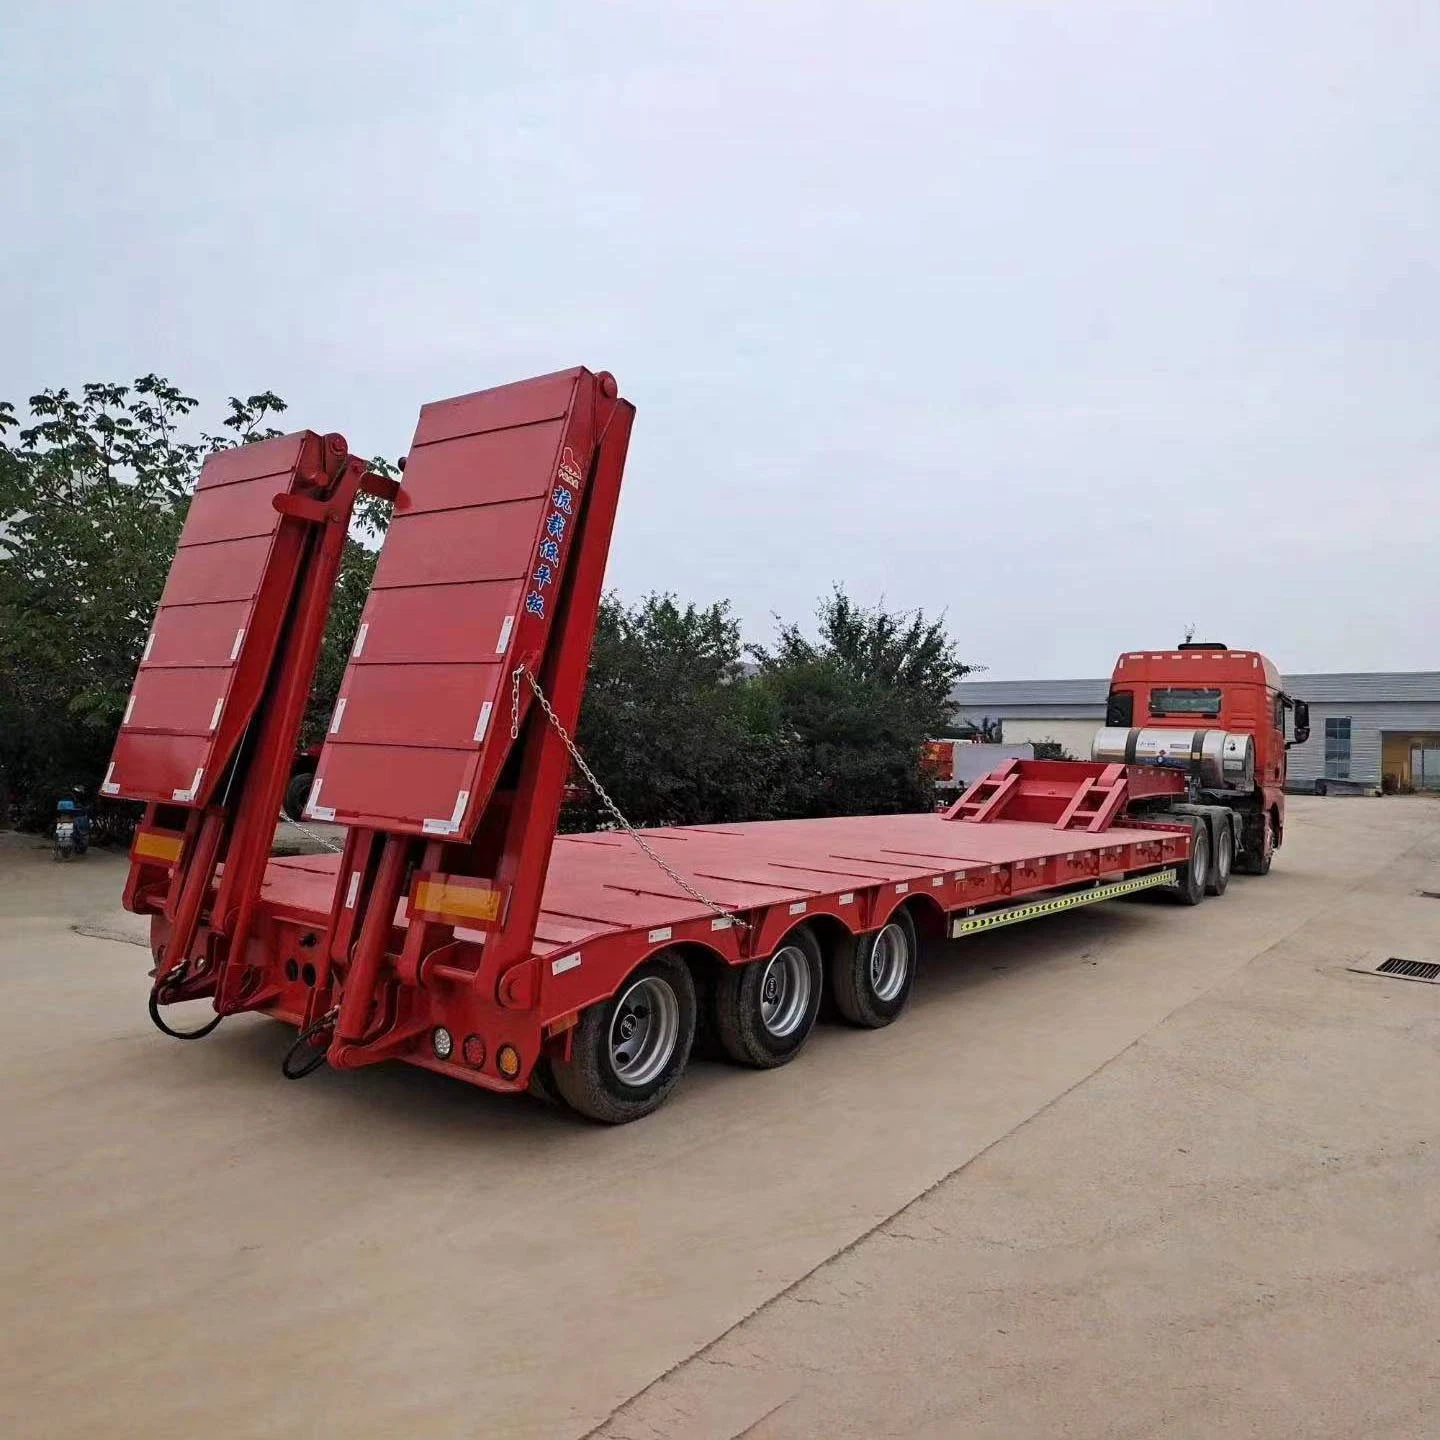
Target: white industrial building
1373 728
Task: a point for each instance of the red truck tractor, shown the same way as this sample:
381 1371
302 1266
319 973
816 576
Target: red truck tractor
457 931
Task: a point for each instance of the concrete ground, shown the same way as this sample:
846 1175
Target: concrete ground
1131 1171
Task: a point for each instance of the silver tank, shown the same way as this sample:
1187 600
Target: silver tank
1218 759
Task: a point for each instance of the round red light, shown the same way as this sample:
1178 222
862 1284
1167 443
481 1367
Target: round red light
474 1051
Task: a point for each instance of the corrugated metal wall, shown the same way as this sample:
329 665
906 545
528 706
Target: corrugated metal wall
1307 761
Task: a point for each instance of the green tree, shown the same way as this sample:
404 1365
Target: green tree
667 723
853 709
93 495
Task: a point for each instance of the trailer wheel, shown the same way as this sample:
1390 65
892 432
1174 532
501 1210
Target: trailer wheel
1195 874
765 1010
1224 857
628 1053
871 975
297 792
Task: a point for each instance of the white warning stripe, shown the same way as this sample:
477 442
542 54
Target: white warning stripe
505 630
215 713
337 717
483 723
353 891
316 811
185 796
564 963
450 826
108 786
149 642
129 710
360 636
239 641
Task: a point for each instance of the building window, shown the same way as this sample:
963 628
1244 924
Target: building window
1337 747
1185 702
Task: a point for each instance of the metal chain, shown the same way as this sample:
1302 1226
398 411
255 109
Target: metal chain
712 905
311 835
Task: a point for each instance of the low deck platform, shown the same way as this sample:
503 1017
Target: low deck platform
601 886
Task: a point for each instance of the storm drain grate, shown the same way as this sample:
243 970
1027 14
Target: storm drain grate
1409 969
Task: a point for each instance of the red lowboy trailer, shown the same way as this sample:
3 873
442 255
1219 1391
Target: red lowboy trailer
456 930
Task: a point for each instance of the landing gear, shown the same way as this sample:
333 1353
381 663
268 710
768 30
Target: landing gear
627 1055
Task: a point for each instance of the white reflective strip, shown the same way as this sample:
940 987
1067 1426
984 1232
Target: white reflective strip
129 710
901 888
483 723
663 933
937 881
450 826
359 644
313 810
149 642
472 937
188 795
848 898
798 908
337 717
215 713
723 923
564 963
505 630
959 876
239 641
107 785
353 891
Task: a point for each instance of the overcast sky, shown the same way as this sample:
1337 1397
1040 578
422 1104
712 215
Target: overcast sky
1081 321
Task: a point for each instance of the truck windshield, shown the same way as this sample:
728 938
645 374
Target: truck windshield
1184 702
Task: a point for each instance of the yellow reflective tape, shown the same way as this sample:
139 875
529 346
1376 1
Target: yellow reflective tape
969 925
470 902
158 845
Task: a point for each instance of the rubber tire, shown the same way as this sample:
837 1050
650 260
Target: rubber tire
542 1084
297 793
741 1031
587 1081
850 977
1252 864
1190 890
1222 862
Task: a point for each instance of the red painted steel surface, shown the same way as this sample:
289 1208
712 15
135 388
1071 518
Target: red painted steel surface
603 885
217 626
466 587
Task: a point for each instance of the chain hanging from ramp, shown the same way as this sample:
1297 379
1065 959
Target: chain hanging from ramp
604 795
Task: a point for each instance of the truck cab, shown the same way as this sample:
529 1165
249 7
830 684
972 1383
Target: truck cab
1205 686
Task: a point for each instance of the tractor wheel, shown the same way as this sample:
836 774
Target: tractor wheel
1195 873
1224 860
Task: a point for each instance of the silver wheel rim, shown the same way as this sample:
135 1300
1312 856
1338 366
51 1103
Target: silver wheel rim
889 962
785 990
1225 858
644 1030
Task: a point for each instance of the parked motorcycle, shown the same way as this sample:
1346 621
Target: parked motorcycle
72 827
